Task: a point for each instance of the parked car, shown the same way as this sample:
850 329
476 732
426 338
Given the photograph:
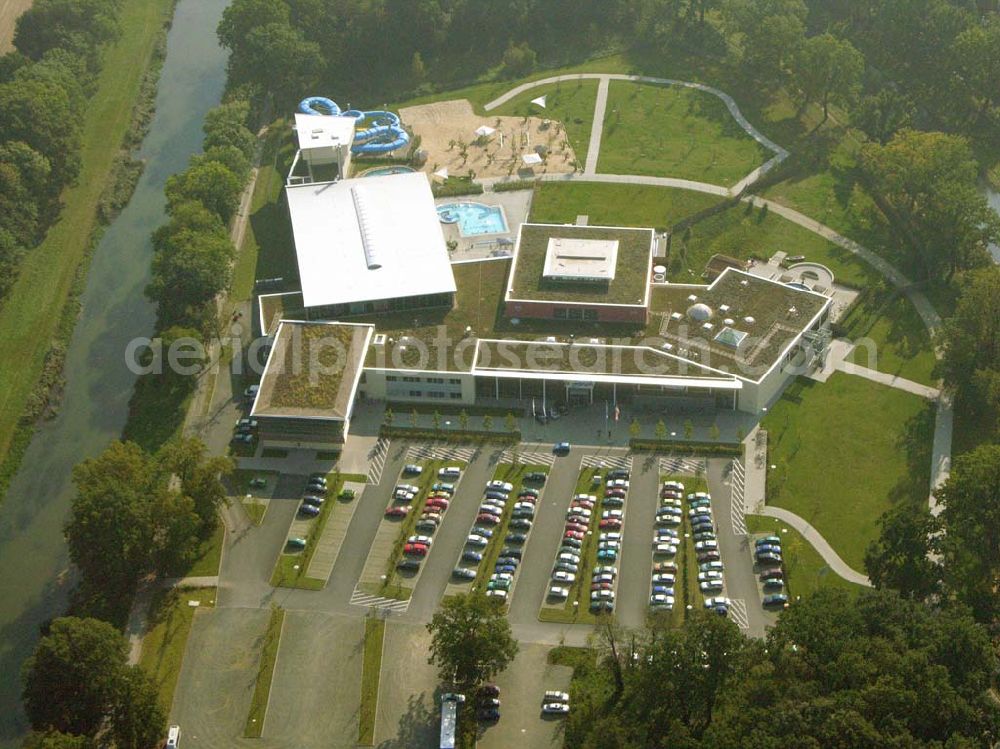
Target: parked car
537 477
416 549
767 540
768 557
413 469
527 491
488 714
572 543
258 482
503 486
476 540
574 526
712 555
707 566
296 542
509 552
576 535
619 473
469 555
312 499
706 545
397 512
661 599
499 594
560 576
487 519
437 502
774 583
664 549
446 488
709 575
561 448
558 592
449 472
611 524
410 565
307 509
664 577
710 586
464 573
522 523
567 567
516 538
775 600
772 573
665 567
555 708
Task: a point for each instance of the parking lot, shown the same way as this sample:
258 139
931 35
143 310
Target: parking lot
407 715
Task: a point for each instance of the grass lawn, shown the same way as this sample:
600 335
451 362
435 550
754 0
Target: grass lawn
33 311
170 619
616 205
569 102
370 670
899 343
837 466
744 232
255 510
805 570
674 131
206 563
686 589
258 705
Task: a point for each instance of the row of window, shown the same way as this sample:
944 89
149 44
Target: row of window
574 313
434 394
432 380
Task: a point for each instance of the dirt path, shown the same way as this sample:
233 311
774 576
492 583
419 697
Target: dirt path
9 12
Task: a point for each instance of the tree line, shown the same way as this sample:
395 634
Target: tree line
45 86
837 670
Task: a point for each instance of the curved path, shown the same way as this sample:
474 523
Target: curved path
831 557
597 128
943 426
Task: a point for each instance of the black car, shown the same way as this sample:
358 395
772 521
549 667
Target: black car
522 523
574 543
516 538
535 477
618 473
408 564
508 561
472 556
488 714
508 552
489 690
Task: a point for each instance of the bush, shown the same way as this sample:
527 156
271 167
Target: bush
517 184
689 448
457 186
450 435
519 59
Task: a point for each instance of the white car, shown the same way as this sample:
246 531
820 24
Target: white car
711 603
660 599
676 486
500 486
581 511
563 577
476 540
449 472
709 575
711 566
612 515
588 497
420 540
710 586
617 545
408 488
603 569
524 506
552 696
602 595
618 484
400 496
708 545
700 511
670 502
668 520
567 557
664 578
555 708
506 576
557 591
497 593
699 495
613 536
663 549
603 577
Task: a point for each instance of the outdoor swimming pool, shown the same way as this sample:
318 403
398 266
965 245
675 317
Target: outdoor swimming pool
474 218
382 171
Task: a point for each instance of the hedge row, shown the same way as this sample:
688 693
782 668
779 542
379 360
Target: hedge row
688 448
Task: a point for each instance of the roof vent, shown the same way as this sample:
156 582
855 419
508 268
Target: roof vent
368 240
699 312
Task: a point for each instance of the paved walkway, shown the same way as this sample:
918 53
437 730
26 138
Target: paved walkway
819 543
597 126
900 383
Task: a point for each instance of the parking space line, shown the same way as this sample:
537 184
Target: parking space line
360 598
685 466
738 610
737 505
438 452
378 460
607 461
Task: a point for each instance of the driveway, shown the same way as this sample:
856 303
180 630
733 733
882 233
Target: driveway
408 715
315 694
218 676
636 560
521 722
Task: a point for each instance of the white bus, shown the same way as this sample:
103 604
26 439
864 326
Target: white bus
449 718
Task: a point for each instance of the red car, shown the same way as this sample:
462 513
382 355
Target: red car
601 586
486 518
611 523
417 550
437 502
584 503
573 526
620 493
397 512
527 498
573 534
438 495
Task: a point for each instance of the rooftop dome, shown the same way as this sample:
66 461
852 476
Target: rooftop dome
699 312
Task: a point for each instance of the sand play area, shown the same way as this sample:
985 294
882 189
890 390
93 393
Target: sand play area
447 131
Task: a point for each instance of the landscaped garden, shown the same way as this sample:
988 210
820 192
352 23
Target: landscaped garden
837 466
675 131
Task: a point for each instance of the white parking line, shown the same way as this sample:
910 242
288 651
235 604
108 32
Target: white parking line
737 505
367 600
528 458
607 461
378 461
687 466
738 611
437 452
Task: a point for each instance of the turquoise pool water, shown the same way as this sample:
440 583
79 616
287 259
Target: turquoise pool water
382 171
474 218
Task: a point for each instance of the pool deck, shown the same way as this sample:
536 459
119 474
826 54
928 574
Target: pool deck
515 204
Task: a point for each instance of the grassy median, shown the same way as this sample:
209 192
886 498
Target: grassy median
370 671
262 691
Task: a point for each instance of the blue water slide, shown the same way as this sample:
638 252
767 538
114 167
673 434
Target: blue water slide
384 136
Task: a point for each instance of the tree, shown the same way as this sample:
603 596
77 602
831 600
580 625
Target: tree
77 26
519 59
971 543
210 183
976 54
72 678
201 477
901 558
418 71
510 422
764 35
414 418
24 181
137 720
463 419
661 430
230 157
278 58
926 185
635 428
57 740
883 114
187 274
226 126
688 429
714 432
436 420
471 640
487 422
826 68
388 417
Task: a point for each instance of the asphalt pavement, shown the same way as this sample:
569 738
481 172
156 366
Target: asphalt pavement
636 560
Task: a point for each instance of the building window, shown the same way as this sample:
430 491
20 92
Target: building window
436 380
391 378
455 396
411 379
454 381
416 393
574 313
435 395
590 314
559 313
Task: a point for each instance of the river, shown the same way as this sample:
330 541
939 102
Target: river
33 557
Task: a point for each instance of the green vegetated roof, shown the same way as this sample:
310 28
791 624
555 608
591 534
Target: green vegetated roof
312 370
277 307
771 314
631 279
